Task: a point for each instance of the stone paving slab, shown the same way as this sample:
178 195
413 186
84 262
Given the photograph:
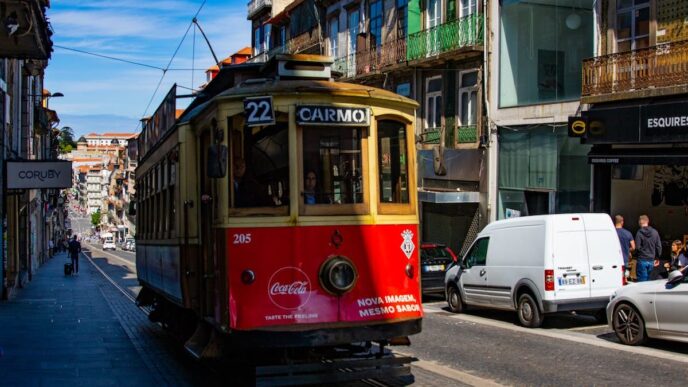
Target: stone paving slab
60 330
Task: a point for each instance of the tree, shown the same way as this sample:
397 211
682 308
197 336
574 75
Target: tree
66 140
95 218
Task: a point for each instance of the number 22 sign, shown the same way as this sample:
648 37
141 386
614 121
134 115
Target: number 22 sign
259 111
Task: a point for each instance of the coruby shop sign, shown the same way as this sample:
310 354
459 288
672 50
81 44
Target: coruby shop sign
39 174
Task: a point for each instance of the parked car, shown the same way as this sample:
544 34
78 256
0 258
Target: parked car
435 258
109 244
652 309
540 264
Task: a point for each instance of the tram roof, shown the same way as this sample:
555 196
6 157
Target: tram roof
312 86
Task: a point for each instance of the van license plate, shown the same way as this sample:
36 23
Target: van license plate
430 268
572 281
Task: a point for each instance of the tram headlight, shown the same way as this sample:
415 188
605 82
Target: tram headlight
338 275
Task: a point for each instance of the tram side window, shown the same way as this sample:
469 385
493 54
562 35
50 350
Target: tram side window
260 167
392 162
172 211
333 164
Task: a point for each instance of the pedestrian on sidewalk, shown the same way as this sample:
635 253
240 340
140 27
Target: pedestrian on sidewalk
74 251
648 247
627 245
51 247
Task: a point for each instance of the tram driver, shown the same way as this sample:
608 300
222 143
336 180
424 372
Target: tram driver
245 187
311 194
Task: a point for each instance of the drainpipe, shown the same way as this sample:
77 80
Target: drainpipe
492 144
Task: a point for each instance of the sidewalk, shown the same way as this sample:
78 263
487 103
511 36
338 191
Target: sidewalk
61 331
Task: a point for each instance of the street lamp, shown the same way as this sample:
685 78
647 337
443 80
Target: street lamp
47 97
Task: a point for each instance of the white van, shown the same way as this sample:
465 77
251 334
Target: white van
540 264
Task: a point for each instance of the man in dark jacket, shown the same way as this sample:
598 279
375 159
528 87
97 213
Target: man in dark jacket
648 248
74 250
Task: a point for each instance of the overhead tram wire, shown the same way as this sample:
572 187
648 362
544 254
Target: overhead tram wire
164 71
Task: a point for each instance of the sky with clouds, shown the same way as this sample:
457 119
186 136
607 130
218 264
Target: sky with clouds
106 95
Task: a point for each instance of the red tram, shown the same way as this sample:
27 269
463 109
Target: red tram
279 211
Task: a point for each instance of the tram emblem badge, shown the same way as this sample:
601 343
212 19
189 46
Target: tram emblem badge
407 246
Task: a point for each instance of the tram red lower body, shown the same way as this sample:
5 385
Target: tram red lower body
286 262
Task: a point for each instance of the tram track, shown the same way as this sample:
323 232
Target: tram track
205 366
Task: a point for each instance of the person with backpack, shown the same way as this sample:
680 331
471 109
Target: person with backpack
74 251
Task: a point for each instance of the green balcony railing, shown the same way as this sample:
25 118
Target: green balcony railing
467 134
450 36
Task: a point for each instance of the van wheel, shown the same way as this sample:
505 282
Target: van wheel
628 325
528 313
454 300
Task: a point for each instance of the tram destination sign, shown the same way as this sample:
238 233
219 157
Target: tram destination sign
332 115
39 174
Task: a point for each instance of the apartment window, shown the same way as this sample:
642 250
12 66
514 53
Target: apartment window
451 9
542 46
434 13
257 41
402 18
282 36
632 24
433 102
353 30
376 22
468 98
334 37
469 7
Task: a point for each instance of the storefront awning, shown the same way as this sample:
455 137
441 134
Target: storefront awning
448 197
639 156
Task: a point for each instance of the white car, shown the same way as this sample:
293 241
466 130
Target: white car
655 309
109 244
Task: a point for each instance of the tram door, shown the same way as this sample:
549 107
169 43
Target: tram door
209 273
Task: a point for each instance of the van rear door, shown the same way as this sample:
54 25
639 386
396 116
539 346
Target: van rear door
570 259
604 252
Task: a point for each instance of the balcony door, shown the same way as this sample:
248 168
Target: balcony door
632 24
433 20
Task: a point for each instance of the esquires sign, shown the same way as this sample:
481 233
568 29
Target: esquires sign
635 124
38 174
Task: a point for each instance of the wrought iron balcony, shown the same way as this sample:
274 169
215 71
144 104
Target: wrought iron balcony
254 6
371 61
649 71
447 37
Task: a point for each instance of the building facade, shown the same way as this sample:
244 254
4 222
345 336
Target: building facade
430 51
634 115
534 85
26 130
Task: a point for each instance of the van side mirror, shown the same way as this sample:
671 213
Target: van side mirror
217 161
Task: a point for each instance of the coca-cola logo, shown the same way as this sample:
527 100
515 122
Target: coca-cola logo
289 288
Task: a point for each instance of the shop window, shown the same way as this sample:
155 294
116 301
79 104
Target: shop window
392 162
433 103
542 46
260 169
542 170
335 157
632 24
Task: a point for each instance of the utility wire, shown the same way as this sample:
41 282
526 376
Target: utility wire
164 71
108 57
